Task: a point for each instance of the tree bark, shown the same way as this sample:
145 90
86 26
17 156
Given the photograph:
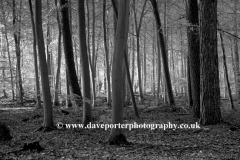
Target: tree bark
47 103
164 54
16 35
93 68
116 134
237 69
68 50
226 71
48 40
87 111
190 99
159 69
138 29
56 98
127 72
133 55
194 54
38 96
106 56
210 112
8 49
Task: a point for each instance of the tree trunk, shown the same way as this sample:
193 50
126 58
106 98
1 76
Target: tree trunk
226 71
10 64
127 72
159 69
190 99
68 97
93 68
133 55
237 69
106 56
210 112
8 50
164 54
16 35
48 44
56 99
87 111
68 50
138 29
194 54
38 96
116 134
153 67
144 62
47 103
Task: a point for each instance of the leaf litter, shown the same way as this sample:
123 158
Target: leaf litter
208 142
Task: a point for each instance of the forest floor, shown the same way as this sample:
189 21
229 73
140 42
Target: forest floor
220 142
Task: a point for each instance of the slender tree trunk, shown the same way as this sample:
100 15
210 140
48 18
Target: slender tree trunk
69 57
106 55
133 55
194 54
237 69
164 54
159 69
226 71
87 111
48 44
138 29
69 95
10 64
182 58
88 34
8 49
56 98
116 134
38 96
47 103
153 67
126 66
166 44
17 32
145 65
210 112
93 68
190 99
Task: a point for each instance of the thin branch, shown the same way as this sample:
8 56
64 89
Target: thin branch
228 33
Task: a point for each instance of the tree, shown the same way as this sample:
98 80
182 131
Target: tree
164 54
106 55
48 41
209 75
68 50
116 134
56 100
126 71
237 68
226 71
17 36
194 54
137 30
47 103
38 96
93 61
87 115
4 21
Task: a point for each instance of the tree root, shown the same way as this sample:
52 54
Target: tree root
44 129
